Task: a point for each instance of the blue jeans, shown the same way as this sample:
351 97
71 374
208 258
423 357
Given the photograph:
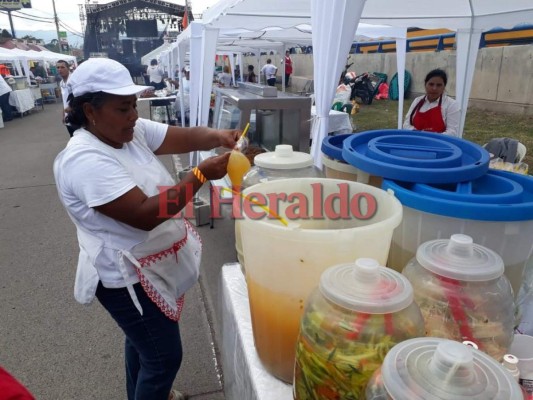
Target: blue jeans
153 345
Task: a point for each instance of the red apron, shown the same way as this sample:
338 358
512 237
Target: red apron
431 120
288 65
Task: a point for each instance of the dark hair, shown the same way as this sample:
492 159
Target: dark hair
437 73
62 61
75 114
153 62
250 67
269 61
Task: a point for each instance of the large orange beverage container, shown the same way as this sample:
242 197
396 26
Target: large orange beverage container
329 222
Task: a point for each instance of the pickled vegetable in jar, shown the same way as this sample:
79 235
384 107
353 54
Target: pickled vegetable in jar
463 294
357 314
440 369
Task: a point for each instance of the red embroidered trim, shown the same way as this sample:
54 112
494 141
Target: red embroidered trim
152 258
193 231
157 299
151 292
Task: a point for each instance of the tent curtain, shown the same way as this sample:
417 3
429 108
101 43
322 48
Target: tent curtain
241 67
334 25
181 64
195 65
401 50
207 67
467 51
195 79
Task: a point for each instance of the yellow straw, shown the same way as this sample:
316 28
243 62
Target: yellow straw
265 208
245 131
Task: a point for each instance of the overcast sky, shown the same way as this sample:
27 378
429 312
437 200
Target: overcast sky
69 13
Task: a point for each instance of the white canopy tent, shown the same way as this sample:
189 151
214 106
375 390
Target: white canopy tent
21 59
336 19
18 61
263 39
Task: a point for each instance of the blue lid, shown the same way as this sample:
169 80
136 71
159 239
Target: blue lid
496 196
414 156
332 146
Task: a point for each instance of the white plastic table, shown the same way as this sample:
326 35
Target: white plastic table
339 121
22 100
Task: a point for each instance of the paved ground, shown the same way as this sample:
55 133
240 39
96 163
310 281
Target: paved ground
59 349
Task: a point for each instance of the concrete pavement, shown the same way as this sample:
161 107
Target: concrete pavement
58 348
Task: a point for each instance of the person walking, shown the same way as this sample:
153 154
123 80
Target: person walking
269 71
137 255
64 74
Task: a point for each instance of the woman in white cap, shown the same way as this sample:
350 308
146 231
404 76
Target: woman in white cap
137 255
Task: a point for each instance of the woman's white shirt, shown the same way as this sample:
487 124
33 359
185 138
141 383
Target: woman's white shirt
450 113
156 73
87 177
224 79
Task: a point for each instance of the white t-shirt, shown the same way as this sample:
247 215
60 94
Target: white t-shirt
224 79
64 92
269 70
186 86
87 177
155 72
449 109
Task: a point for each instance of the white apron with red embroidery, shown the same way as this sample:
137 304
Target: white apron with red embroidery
167 263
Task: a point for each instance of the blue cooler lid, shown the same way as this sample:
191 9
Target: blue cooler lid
415 156
496 196
332 146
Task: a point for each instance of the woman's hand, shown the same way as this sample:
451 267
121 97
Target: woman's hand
228 137
215 167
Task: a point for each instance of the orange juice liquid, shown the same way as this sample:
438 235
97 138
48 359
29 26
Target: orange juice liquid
238 165
276 325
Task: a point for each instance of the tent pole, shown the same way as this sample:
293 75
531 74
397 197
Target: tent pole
11 24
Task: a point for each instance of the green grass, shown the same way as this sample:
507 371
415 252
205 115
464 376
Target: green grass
480 126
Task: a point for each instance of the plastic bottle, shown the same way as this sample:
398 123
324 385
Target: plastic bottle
510 363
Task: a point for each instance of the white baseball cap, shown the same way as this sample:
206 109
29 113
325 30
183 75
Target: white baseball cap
103 75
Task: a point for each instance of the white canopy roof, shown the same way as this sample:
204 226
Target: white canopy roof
334 25
230 38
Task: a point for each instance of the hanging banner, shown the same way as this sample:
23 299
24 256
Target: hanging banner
63 42
14 4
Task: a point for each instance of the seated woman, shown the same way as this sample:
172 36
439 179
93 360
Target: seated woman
435 111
